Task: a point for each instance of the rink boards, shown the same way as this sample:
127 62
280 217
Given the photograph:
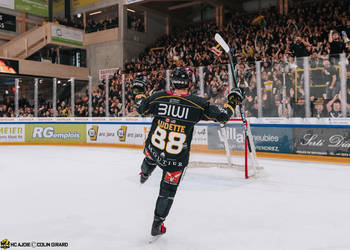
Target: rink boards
320 139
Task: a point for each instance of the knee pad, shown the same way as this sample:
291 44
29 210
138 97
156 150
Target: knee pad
167 190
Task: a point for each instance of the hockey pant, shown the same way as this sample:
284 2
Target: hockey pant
168 187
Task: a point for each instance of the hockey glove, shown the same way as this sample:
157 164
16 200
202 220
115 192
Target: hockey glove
235 97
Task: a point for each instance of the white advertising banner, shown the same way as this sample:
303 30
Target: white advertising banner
102 73
66 35
12 133
200 135
134 134
115 133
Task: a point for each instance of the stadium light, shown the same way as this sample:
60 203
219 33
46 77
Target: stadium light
95 13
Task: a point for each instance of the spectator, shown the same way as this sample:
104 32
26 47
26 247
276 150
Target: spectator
334 107
330 76
337 46
319 109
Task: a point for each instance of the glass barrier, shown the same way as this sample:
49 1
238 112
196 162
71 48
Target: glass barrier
64 98
156 81
26 97
216 84
45 97
128 97
331 86
246 77
301 87
98 94
289 87
115 102
7 96
195 86
81 98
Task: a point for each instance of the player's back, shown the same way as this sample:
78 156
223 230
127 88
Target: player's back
171 132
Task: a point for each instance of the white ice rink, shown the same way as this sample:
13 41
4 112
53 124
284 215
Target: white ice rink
91 198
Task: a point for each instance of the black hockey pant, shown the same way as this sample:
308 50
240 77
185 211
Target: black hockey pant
168 186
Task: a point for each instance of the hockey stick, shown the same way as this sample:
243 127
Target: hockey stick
226 48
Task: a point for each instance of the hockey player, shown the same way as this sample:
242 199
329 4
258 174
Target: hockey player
169 140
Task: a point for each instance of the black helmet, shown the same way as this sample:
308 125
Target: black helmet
139 84
180 78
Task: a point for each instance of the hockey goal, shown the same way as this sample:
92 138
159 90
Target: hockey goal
229 139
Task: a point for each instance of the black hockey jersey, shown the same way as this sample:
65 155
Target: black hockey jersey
169 140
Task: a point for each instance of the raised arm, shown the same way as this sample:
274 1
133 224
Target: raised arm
222 115
330 37
138 90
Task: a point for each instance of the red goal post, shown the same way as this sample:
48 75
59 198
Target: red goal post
237 153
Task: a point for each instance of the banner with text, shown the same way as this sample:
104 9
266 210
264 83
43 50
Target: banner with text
322 141
102 73
234 133
66 35
66 133
276 140
117 134
35 7
12 133
80 3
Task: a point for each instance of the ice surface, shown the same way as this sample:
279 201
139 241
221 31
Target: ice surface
91 198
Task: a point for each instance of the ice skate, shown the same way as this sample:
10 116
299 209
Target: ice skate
143 177
158 229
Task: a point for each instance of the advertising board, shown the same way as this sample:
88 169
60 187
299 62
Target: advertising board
55 133
322 141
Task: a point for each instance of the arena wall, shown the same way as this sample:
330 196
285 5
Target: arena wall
302 139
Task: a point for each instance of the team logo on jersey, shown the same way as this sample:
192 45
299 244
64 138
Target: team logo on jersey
172 178
173 110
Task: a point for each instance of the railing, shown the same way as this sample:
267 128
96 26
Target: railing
26 44
101 36
33 40
306 87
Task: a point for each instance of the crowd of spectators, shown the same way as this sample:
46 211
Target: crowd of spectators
93 26
136 21
74 22
277 41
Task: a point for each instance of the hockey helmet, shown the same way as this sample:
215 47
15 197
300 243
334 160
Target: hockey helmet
180 78
139 84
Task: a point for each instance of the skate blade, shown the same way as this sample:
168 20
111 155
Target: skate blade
154 238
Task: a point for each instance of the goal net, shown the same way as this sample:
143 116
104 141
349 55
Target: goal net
230 147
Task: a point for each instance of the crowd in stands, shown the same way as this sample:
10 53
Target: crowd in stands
310 30
136 22
93 26
313 30
73 22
